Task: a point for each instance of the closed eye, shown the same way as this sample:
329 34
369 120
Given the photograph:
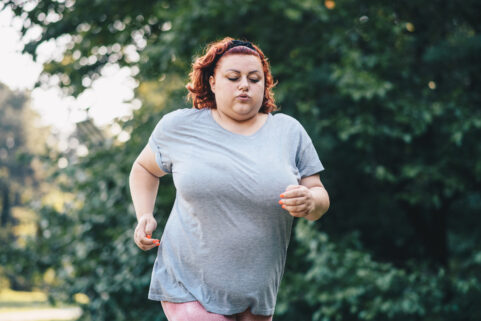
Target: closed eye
253 80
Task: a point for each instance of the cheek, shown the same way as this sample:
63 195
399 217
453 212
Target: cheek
223 93
260 91
227 87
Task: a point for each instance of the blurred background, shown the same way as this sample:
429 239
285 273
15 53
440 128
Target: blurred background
389 91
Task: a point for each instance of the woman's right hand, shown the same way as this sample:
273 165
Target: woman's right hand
143 232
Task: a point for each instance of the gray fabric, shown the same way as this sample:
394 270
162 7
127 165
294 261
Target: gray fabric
226 239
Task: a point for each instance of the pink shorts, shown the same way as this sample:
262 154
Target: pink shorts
194 311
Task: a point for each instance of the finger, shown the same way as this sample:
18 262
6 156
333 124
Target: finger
298 210
155 242
293 193
288 188
293 201
148 247
149 241
295 208
144 239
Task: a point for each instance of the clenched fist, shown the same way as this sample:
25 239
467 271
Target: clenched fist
143 232
297 200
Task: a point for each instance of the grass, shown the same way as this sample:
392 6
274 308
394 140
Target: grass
22 301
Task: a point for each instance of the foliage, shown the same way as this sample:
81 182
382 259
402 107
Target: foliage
15 169
94 233
387 92
21 143
341 281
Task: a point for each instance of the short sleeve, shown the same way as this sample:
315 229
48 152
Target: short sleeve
159 143
307 159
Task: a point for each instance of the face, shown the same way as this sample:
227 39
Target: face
238 85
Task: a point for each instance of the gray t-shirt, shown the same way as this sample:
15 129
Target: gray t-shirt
226 239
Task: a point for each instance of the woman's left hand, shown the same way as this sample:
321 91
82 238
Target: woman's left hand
297 200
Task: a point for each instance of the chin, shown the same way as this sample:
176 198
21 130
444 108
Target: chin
245 110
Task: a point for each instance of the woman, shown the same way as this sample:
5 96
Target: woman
241 175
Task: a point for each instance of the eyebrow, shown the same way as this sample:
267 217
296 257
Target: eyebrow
237 71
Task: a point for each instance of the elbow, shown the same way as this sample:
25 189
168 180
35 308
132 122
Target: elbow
328 202
131 174
134 171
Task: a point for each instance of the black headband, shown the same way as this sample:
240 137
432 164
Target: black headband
236 43
233 43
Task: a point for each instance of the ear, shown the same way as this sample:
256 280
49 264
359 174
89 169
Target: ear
212 83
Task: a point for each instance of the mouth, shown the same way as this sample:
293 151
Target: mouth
243 96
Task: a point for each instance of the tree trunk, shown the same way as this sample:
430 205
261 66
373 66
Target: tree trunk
5 215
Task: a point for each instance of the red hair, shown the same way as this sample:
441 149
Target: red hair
204 67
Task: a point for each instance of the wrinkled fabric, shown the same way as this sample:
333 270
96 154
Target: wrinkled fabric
225 241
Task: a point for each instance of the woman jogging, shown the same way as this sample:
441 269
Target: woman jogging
242 174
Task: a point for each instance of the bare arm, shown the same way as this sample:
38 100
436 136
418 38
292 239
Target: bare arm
144 184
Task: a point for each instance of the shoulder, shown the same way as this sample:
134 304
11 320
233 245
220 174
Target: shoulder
289 126
285 118
181 113
286 121
180 117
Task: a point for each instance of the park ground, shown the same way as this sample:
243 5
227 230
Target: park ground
33 306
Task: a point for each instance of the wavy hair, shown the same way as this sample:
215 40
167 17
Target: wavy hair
204 67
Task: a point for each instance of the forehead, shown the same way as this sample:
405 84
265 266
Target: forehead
240 63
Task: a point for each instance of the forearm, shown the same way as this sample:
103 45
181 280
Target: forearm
143 189
321 201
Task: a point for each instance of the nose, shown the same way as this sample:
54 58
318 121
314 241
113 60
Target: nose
243 84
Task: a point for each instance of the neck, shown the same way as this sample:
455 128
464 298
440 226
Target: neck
244 126
228 120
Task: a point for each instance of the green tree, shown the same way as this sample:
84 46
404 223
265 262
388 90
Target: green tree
14 173
388 93
94 231
20 175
